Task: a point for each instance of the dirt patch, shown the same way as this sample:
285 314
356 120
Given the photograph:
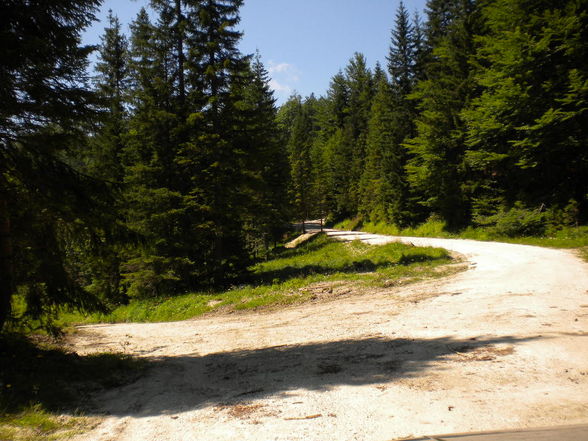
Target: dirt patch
487 353
243 411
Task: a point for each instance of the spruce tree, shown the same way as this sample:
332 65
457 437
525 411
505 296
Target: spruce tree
527 131
49 210
265 161
104 156
300 158
383 183
212 156
112 83
156 207
401 59
436 169
360 85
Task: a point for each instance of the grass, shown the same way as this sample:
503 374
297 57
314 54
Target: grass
36 424
569 237
43 387
288 279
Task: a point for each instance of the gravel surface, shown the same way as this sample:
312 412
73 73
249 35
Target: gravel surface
503 345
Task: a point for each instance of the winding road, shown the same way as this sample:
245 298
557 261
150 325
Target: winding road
503 345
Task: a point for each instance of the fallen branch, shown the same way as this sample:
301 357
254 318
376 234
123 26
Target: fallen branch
309 417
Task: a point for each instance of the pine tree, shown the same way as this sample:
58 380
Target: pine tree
112 81
339 97
401 59
299 148
49 211
436 169
360 86
104 156
527 131
375 190
383 192
156 207
265 162
213 157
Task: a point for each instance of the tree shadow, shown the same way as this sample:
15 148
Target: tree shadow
37 371
292 272
178 384
360 266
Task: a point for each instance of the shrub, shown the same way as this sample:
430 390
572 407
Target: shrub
514 222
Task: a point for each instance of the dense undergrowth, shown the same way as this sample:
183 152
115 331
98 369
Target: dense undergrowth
285 279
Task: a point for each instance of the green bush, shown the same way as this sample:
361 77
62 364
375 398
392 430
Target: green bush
517 221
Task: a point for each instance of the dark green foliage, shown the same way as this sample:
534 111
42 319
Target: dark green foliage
527 131
485 108
481 119
265 162
50 211
382 184
112 81
205 170
44 374
517 221
402 56
103 159
299 149
154 204
179 137
436 170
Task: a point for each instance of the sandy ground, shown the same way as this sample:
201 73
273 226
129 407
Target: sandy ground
502 345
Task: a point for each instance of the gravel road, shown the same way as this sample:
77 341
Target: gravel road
502 345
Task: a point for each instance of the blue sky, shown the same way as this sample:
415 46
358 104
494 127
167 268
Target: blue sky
303 43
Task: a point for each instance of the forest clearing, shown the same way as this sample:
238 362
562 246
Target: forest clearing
501 345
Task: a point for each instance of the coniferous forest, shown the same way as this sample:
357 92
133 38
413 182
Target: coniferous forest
168 167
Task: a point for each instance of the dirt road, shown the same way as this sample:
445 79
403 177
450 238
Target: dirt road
502 345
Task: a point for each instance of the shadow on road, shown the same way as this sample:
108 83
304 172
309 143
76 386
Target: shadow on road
177 384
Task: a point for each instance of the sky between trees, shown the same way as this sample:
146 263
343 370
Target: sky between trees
303 43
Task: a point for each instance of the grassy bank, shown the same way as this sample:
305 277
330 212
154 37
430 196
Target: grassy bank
288 278
45 389
569 237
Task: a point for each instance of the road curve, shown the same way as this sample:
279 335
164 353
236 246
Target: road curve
503 345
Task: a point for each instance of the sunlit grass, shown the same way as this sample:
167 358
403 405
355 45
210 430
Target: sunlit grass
568 237
280 281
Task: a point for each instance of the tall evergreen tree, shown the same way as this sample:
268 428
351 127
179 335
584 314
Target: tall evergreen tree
360 86
213 157
48 209
112 81
104 156
401 59
382 183
156 207
527 132
436 167
300 158
265 161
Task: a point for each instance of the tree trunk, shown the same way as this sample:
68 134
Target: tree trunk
180 50
5 262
